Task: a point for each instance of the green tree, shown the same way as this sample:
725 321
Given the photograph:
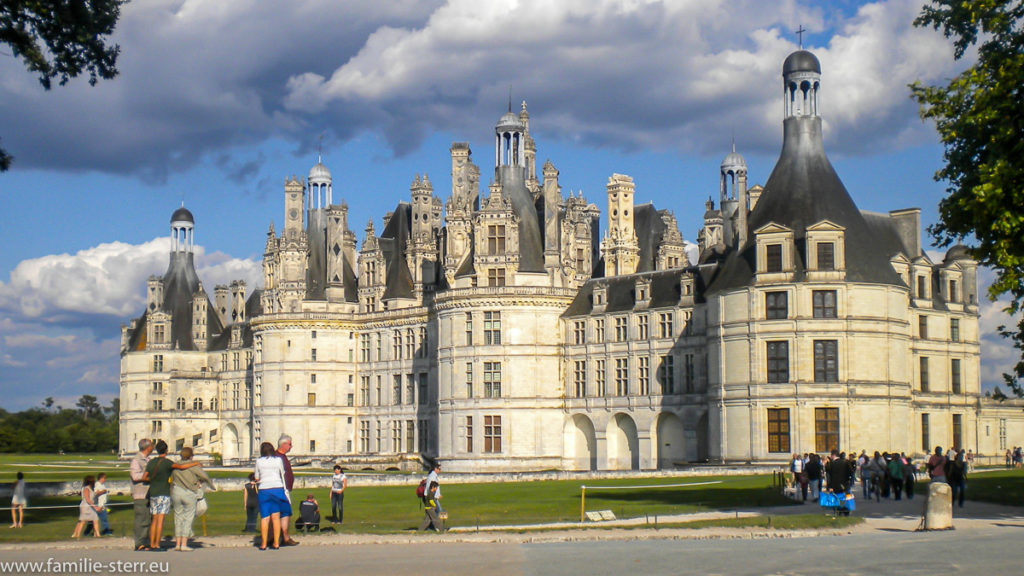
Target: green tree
979 115
89 406
61 39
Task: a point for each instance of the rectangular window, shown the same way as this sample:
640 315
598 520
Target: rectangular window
665 325
580 378
469 379
778 430
826 361
826 429
923 373
496 277
410 436
379 340
621 376
158 363
958 431
311 399
922 327
579 332
396 345
954 375
469 328
621 328
158 405
424 430
350 399
312 378
642 327
776 305
364 436
410 388
773 258
379 436
921 285
469 433
689 375
312 445
496 239
424 396
424 343
953 295
926 442
364 390
643 375
396 436
197 439
312 353
824 303
380 392
492 379
492 434
158 334
667 374
410 343
826 256
599 330
954 329
396 389
599 378
492 328
778 362
1002 434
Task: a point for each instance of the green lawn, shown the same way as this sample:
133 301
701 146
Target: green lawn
999 487
390 509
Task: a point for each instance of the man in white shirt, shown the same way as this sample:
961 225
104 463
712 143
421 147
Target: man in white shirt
433 477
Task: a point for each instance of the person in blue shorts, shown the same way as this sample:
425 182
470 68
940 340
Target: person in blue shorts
275 506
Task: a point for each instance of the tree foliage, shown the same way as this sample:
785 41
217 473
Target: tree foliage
87 429
60 40
979 115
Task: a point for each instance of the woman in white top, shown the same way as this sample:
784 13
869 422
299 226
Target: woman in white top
273 497
18 502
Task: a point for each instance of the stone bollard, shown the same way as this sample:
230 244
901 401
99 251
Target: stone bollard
939 509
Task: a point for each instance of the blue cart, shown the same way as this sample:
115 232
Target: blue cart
838 503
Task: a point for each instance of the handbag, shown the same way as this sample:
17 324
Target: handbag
201 506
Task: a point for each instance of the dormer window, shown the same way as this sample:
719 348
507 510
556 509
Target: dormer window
496 239
826 256
773 258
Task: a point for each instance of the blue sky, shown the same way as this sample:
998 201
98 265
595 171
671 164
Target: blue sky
218 102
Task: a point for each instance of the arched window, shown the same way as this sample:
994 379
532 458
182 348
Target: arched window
181 403
197 403
213 403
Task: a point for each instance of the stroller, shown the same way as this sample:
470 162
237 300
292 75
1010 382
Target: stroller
840 503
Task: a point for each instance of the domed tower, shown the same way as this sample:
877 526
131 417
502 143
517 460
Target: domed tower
319 185
733 197
182 230
510 142
801 77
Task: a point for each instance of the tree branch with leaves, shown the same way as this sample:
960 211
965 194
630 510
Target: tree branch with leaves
60 40
979 116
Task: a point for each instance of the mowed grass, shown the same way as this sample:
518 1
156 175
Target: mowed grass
998 487
395 509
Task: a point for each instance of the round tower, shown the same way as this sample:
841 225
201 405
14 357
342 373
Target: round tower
182 230
509 141
801 77
319 186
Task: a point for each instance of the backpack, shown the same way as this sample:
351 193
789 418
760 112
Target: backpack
421 490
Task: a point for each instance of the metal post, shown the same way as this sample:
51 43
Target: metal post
583 499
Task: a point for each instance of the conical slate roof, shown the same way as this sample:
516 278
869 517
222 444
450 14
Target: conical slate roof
802 190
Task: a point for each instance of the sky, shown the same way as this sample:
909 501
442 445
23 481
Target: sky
217 103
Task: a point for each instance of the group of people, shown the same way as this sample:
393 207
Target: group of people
158 485
882 475
274 480
1014 457
92 510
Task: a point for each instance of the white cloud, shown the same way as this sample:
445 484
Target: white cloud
106 280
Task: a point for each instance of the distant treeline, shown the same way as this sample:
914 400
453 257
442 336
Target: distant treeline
87 427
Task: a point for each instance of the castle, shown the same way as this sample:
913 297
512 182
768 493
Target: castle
506 332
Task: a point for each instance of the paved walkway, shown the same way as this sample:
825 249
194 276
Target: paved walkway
885 516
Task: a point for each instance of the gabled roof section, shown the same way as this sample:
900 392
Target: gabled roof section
621 291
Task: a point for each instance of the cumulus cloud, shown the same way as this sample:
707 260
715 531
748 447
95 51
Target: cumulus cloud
106 280
202 78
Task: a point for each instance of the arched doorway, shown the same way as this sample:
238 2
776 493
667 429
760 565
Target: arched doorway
580 443
671 440
229 444
623 444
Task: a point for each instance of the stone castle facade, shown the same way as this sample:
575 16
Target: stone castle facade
505 332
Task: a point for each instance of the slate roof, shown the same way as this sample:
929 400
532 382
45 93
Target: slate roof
802 190
621 291
394 244
531 244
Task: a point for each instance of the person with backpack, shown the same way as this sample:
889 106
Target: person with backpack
956 475
434 477
431 518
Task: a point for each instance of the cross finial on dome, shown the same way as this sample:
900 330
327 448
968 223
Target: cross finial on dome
800 35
